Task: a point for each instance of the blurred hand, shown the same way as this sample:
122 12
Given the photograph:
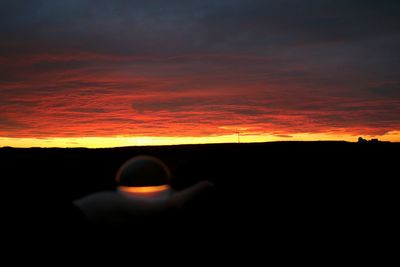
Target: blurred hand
118 208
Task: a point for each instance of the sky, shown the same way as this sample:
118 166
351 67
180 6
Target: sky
100 73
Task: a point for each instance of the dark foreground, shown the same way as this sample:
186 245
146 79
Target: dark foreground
284 192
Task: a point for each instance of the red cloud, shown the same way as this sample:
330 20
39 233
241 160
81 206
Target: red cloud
88 94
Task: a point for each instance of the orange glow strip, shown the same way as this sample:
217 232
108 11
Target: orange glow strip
99 142
144 189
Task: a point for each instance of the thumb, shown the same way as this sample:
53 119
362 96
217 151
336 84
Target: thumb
181 198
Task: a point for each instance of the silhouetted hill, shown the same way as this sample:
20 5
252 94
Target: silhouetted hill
285 189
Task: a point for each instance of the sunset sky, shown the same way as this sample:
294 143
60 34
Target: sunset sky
100 73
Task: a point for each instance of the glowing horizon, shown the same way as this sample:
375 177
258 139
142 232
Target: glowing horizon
109 142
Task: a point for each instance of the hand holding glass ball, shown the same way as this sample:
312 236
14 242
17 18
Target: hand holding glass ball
143 188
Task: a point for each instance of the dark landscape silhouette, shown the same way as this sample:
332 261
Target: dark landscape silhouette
277 190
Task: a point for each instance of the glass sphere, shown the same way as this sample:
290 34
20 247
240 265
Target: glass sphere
143 175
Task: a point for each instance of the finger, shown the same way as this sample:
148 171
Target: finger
179 199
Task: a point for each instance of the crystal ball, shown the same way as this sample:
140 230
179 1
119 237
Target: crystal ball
143 175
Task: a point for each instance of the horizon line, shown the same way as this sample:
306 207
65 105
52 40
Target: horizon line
202 144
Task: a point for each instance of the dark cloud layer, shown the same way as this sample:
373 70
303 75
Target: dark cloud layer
86 67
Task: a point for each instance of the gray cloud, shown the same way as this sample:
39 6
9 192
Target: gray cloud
391 91
179 26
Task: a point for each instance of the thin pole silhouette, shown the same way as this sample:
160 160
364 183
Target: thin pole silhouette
238 133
